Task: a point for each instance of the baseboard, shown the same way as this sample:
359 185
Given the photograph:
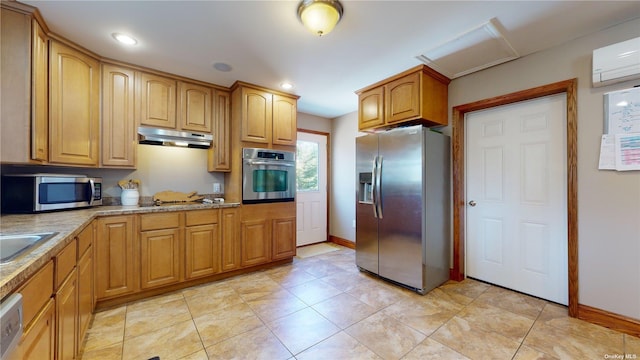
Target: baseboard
610 320
344 242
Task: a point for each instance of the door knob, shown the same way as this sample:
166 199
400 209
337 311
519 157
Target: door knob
472 203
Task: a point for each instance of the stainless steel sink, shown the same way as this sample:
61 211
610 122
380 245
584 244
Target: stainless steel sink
12 246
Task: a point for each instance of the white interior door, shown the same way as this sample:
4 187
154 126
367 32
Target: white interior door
311 183
516 192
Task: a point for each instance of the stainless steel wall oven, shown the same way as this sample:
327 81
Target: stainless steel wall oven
268 175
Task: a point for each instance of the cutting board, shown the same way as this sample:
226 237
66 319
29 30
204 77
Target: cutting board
169 196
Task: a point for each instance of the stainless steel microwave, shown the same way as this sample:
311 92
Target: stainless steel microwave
30 193
268 175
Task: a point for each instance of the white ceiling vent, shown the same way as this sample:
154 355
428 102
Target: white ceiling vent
477 49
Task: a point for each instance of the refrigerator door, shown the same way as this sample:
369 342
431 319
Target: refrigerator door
400 226
366 220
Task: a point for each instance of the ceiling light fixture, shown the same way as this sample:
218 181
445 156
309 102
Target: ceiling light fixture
320 16
124 39
286 85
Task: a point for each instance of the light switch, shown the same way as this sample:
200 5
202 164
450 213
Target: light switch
216 188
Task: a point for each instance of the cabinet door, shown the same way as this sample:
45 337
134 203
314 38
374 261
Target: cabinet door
115 255
219 156
156 100
74 117
195 107
371 108
284 120
402 99
118 122
39 93
202 250
283 238
257 115
230 221
160 257
256 238
67 317
39 340
85 295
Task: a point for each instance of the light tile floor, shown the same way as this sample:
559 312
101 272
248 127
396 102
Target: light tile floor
322 307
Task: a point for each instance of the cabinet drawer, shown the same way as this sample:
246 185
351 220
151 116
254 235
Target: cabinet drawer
65 262
159 221
85 238
202 217
36 292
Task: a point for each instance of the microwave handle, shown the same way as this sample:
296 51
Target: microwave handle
92 187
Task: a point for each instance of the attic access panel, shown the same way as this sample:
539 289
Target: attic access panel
477 49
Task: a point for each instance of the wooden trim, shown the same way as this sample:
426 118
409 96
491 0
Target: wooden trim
610 320
262 88
458 152
344 242
328 136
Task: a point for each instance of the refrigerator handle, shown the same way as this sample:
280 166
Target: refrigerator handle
378 179
374 192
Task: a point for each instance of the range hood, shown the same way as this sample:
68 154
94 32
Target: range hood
166 137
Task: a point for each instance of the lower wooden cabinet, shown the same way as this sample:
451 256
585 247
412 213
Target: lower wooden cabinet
283 235
67 317
255 242
39 339
230 238
202 243
85 294
160 257
116 268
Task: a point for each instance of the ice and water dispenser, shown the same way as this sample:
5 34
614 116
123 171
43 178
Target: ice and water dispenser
365 192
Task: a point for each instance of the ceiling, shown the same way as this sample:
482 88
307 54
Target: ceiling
265 44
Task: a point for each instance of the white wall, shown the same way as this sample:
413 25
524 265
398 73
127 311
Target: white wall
342 208
312 122
608 201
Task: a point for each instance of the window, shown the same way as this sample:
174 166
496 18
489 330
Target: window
306 166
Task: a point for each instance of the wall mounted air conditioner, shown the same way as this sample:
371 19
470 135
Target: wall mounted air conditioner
616 63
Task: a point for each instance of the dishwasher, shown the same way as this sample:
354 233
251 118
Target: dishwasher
10 324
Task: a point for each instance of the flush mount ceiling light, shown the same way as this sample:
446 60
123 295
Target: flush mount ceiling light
286 85
320 16
124 39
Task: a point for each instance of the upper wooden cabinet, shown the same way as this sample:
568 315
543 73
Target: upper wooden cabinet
219 156
74 117
418 95
156 100
24 95
118 122
266 116
195 107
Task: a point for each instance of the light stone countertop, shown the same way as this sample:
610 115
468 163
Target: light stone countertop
67 224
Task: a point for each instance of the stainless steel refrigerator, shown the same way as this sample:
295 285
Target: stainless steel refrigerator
402 206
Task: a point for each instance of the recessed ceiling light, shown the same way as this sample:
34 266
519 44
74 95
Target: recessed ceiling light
124 39
220 66
286 85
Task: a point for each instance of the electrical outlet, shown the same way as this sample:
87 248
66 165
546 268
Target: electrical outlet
216 188
354 224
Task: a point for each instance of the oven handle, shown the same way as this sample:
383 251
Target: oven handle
275 163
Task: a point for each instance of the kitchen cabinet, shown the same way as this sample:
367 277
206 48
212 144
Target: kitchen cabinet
418 95
116 268
255 242
268 232
86 302
39 340
67 317
266 116
74 106
156 100
195 107
219 155
230 238
119 134
24 86
202 243
283 238
160 249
